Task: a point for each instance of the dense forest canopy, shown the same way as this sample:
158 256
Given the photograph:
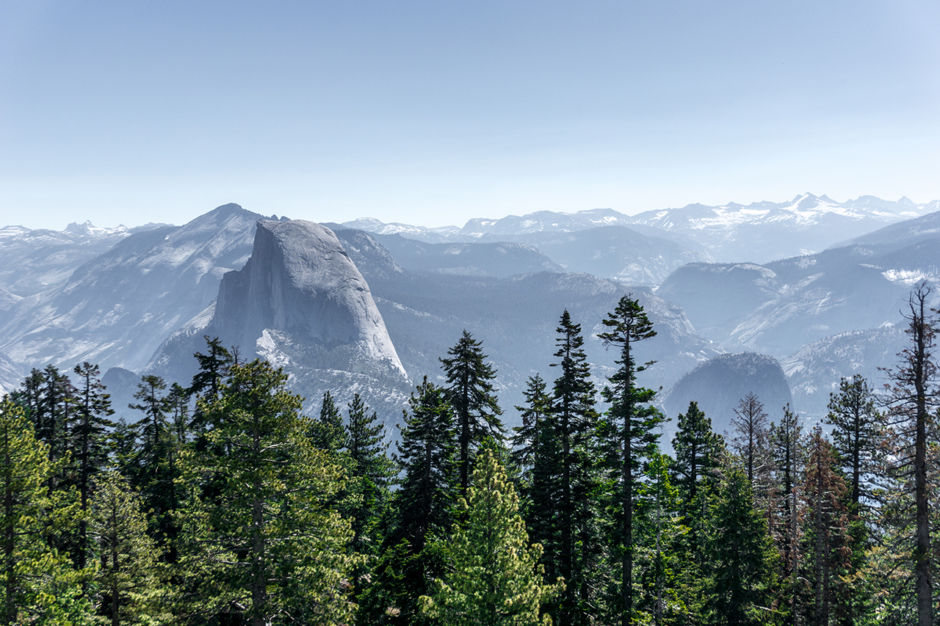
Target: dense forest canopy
222 503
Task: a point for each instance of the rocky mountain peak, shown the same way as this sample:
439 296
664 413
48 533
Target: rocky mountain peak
300 291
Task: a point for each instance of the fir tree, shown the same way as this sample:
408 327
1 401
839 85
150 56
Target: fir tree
267 545
473 398
493 574
698 453
659 532
370 472
209 379
536 451
786 448
327 432
128 580
156 466
90 443
39 583
632 435
177 401
533 414
741 558
856 424
575 423
423 508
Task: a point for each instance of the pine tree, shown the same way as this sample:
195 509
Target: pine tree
532 415
39 583
268 544
473 398
30 397
493 574
632 432
750 430
128 580
213 369
89 442
913 400
698 453
177 401
536 451
370 472
575 424
422 510
659 533
787 452
156 465
741 558
327 432
856 424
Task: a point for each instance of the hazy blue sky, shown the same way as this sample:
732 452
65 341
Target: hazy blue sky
433 112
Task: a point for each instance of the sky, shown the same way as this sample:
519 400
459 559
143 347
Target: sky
430 113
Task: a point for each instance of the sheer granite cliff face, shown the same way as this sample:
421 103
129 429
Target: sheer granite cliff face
300 299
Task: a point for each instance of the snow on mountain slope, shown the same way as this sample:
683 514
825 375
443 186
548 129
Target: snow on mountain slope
32 261
117 308
756 232
300 303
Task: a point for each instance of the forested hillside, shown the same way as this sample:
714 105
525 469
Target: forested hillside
218 501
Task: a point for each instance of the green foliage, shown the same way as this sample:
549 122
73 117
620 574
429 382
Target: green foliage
39 583
473 398
659 533
493 575
128 583
741 558
574 479
369 475
89 443
856 424
263 542
326 432
629 438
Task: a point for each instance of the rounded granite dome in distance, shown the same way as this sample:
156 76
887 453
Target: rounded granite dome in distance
718 384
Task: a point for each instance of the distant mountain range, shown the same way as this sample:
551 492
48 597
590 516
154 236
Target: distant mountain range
140 300
756 232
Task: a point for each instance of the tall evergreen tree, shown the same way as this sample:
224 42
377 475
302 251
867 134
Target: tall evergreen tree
856 424
210 377
89 443
177 401
741 558
268 546
698 453
575 426
493 574
129 587
370 472
633 433
787 450
156 466
39 583
532 415
913 400
473 397
659 531
423 508
536 452
30 397
327 431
